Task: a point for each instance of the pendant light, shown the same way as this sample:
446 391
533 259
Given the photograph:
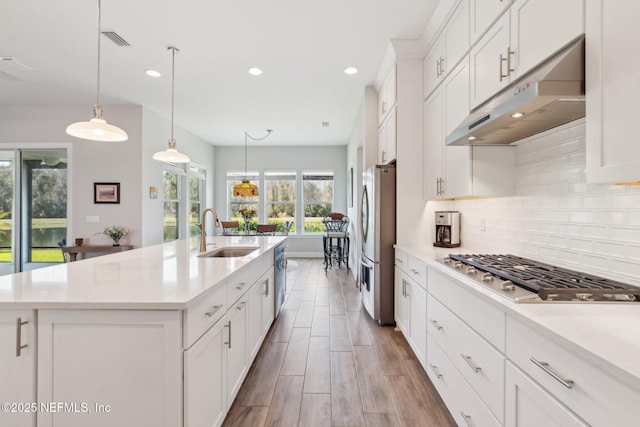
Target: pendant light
171 155
245 188
97 129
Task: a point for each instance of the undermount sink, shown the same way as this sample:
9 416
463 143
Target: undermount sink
229 252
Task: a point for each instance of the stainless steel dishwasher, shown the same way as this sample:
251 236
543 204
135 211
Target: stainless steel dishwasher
280 279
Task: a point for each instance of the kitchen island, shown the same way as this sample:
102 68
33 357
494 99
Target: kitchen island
156 336
496 362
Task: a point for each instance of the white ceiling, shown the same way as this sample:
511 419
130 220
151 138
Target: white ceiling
303 47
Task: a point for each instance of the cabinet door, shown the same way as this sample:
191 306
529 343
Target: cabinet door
455 37
613 154
382 142
418 321
401 303
432 67
390 138
529 405
254 320
268 301
236 348
204 388
482 14
490 63
17 371
387 95
433 144
128 360
536 34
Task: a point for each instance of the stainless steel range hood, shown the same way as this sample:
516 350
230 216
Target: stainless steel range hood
549 96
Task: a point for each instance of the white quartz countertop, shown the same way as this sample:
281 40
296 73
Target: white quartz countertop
607 335
164 276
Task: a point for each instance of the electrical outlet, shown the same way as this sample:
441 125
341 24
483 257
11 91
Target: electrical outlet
92 219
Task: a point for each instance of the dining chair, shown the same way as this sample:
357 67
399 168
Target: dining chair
230 227
267 229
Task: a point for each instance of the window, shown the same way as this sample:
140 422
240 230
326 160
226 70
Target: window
317 190
236 204
171 218
280 197
197 186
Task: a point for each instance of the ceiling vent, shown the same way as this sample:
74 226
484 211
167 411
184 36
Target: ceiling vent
325 124
116 38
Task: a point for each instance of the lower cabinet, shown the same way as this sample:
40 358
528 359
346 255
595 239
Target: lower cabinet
529 405
204 379
110 368
236 348
17 366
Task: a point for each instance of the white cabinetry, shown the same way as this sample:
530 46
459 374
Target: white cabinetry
266 283
529 405
613 154
530 32
411 302
236 348
91 356
204 380
460 171
17 366
482 14
387 118
584 388
448 49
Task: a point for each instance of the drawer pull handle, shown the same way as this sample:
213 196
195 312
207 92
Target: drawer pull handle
436 371
214 311
414 271
240 286
398 260
545 367
19 345
228 326
471 363
437 325
467 419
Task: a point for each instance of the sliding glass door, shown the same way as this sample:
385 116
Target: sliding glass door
33 208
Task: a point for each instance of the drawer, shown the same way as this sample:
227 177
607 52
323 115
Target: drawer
478 362
401 260
417 270
204 313
593 395
239 284
463 403
487 320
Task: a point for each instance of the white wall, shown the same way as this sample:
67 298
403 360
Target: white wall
128 163
556 217
267 157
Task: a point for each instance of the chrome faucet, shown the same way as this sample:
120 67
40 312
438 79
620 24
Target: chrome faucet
203 234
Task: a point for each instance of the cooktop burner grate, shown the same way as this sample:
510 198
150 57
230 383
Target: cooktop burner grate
548 281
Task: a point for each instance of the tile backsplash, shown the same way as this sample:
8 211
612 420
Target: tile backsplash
556 216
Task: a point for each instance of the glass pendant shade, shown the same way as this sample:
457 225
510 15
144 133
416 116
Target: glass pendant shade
171 155
97 129
245 189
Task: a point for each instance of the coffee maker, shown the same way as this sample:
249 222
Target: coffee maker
447 229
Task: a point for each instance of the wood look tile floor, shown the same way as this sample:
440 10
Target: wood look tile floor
325 362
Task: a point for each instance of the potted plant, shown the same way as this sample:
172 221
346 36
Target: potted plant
115 233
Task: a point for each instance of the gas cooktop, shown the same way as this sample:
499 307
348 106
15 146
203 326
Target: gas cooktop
524 280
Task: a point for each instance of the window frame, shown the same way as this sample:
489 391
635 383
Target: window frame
305 202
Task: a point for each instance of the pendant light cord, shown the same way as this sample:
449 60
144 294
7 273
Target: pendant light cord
173 82
99 34
245 147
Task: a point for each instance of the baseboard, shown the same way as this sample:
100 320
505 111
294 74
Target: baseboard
304 254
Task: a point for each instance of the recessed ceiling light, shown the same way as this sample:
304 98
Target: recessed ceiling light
152 73
325 124
471 138
517 115
350 70
255 71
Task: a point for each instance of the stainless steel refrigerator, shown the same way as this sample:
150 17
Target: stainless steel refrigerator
378 229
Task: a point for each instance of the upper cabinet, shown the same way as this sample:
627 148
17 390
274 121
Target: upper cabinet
449 48
612 89
521 39
483 13
387 119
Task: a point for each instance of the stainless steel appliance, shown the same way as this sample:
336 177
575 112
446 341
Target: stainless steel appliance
280 277
447 229
378 228
524 280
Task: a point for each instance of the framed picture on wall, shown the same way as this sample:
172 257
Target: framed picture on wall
106 192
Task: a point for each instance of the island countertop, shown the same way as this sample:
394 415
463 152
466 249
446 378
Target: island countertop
165 276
